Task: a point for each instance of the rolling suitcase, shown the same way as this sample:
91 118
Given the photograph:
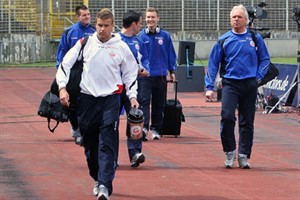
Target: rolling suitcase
173 115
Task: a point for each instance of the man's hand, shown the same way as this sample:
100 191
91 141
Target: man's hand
209 95
172 77
134 103
143 72
64 97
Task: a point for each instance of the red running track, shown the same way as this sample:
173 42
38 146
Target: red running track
38 165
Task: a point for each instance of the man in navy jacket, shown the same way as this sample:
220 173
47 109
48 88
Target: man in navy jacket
162 60
68 39
244 65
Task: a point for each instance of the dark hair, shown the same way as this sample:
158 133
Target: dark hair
105 13
131 16
81 7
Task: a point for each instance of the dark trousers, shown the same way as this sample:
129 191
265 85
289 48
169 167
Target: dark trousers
134 146
98 119
152 90
73 113
240 95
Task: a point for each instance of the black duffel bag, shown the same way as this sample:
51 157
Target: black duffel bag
51 108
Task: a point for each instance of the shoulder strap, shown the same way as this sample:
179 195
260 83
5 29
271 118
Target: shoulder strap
223 63
254 38
85 39
255 42
221 42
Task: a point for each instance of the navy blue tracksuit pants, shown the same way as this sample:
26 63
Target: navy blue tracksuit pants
134 146
98 118
151 96
241 95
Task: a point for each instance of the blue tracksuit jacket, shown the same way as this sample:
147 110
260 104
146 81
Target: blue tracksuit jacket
161 52
242 60
70 37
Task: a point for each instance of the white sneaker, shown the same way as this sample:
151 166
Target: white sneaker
243 161
103 193
155 135
137 159
230 158
75 133
145 134
96 189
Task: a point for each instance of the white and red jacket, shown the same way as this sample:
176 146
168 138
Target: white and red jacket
106 68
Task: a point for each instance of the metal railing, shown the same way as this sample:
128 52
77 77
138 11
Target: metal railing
18 16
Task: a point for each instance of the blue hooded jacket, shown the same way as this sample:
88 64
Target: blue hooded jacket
69 38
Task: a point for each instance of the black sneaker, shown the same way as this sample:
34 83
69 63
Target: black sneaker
137 159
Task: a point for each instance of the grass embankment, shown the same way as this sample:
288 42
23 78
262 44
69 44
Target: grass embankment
204 62
29 65
287 60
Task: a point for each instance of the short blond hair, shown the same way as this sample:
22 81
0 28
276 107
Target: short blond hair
241 7
152 9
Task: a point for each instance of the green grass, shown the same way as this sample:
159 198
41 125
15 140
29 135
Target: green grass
286 60
201 62
204 62
29 65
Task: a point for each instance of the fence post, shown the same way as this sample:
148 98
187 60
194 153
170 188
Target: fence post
182 15
9 17
218 15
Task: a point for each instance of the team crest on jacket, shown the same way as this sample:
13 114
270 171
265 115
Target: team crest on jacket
160 41
252 43
137 47
112 54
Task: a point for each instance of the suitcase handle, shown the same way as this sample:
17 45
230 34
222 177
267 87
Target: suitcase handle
175 84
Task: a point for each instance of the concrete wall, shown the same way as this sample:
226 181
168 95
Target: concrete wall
27 48
281 43
276 47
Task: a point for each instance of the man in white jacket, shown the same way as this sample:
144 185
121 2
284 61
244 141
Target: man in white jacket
108 65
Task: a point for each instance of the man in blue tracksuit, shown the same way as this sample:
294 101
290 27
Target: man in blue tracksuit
68 39
132 24
243 69
162 58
